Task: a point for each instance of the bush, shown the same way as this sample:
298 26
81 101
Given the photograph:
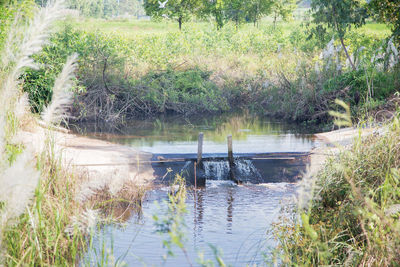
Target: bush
267 70
187 91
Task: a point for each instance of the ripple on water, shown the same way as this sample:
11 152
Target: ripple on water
233 218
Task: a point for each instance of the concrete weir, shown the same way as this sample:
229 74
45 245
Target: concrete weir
246 168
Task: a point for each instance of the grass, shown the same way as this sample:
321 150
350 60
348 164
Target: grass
133 28
352 216
144 68
40 237
41 221
151 65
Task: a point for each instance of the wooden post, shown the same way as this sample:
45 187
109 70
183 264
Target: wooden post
230 151
195 176
231 161
200 148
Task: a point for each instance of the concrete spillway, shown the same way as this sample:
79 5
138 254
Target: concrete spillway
248 168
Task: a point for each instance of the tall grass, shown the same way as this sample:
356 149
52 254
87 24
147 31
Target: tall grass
43 222
351 218
36 194
19 178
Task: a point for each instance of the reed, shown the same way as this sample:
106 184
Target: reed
42 223
351 216
19 178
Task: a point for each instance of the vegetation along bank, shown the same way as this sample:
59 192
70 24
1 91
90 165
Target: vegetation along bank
202 58
286 70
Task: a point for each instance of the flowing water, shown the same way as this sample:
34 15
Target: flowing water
233 220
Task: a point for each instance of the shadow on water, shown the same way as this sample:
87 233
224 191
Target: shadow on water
233 218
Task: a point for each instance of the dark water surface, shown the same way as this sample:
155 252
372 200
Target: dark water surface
234 219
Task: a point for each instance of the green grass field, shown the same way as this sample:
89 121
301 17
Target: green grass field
132 28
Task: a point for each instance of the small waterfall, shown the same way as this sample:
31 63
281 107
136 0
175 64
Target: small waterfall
216 170
185 167
244 170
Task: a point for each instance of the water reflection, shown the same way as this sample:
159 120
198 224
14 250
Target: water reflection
229 214
233 218
230 217
179 134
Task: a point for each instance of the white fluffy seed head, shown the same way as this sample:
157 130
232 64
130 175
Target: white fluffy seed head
56 111
17 185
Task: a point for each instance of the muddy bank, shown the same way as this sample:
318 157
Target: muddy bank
101 164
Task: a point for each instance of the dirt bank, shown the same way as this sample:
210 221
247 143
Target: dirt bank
100 163
332 143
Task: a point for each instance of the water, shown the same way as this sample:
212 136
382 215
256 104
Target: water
245 171
178 135
234 219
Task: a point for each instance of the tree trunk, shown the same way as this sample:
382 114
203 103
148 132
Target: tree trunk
180 23
347 53
341 35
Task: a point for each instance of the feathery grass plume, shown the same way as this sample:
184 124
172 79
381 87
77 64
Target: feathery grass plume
84 222
342 119
55 112
23 42
306 189
19 180
17 185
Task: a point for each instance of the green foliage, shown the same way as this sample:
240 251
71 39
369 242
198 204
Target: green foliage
146 74
179 10
256 9
353 218
235 10
8 10
39 237
340 15
387 11
188 91
214 9
283 9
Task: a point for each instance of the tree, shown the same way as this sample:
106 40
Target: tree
180 10
235 10
283 9
256 9
340 15
387 11
214 8
90 8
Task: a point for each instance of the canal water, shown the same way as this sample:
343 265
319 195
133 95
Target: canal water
221 220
